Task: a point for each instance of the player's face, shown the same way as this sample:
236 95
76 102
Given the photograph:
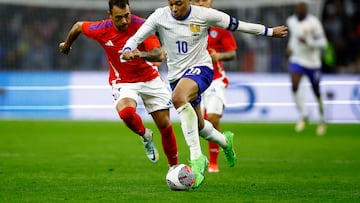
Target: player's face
301 10
179 8
204 3
120 17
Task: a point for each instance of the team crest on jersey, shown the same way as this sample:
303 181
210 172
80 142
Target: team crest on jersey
213 34
195 29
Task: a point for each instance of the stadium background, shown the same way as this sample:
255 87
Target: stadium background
38 82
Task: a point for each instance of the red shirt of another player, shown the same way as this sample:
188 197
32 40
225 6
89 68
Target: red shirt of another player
222 41
113 40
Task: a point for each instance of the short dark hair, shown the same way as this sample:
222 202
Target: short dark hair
119 3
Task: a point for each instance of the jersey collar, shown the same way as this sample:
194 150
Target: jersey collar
185 17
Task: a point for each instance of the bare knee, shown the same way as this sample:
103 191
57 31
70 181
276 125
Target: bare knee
178 99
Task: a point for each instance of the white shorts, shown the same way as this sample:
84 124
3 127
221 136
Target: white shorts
213 99
154 94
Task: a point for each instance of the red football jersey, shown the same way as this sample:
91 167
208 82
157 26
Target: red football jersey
113 40
221 40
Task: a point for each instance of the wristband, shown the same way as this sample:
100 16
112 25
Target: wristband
126 49
268 32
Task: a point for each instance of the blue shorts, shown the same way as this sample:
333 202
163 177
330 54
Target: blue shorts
313 74
203 77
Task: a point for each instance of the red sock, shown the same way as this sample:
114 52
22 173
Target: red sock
169 144
213 152
132 120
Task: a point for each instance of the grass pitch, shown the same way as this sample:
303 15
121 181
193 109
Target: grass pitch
73 161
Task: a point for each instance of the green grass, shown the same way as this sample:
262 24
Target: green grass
72 161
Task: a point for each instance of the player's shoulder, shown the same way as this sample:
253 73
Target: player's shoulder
202 11
98 25
312 18
161 11
291 18
137 19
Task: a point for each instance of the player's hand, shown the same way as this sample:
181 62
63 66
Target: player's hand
137 53
64 48
280 31
127 55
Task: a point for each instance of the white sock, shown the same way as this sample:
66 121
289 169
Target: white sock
321 109
189 126
213 135
300 102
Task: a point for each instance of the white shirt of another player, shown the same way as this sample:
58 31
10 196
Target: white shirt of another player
185 40
309 54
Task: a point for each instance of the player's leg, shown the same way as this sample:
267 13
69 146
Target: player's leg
157 101
314 76
225 140
125 99
186 95
126 109
168 139
214 148
185 91
213 100
296 73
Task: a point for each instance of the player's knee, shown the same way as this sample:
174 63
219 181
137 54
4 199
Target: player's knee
178 100
127 112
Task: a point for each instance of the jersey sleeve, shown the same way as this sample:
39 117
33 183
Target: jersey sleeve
146 30
88 29
228 41
217 18
318 38
220 19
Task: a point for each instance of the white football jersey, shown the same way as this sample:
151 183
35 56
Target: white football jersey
306 54
185 40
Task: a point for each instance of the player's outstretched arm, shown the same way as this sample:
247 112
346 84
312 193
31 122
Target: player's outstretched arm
74 32
220 19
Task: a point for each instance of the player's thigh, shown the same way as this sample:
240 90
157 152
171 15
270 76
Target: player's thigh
185 91
214 98
296 73
213 104
155 95
125 94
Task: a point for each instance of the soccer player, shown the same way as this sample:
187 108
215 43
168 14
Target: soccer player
183 31
133 79
307 39
222 47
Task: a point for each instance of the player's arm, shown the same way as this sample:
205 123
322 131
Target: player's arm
154 55
74 32
222 56
147 29
229 47
223 20
317 39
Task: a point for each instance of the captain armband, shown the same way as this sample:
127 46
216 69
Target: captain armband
233 25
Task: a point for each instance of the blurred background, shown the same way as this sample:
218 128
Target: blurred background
36 81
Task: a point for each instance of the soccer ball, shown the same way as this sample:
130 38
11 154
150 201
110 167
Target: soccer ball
180 177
